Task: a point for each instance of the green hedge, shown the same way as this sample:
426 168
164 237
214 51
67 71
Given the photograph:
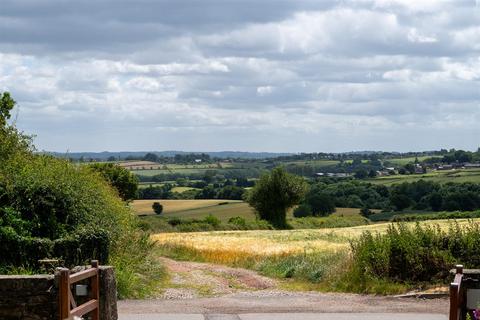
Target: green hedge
436 216
418 254
77 249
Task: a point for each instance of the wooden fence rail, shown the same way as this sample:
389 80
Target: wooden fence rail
68 306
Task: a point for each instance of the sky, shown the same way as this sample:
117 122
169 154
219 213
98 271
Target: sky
250 75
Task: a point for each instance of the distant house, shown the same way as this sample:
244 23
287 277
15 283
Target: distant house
384 173
471 165
198 160
419 169
445 167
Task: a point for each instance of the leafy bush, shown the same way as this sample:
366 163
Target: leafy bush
44 200
212 220
238 221
303 210
416 254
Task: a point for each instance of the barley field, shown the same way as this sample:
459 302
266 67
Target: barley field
228 247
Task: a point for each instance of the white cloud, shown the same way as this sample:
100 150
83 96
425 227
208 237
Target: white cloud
265 90
302 76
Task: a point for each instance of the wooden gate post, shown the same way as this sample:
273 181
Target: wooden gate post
95 290
64 302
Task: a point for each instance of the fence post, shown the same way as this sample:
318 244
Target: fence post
454 301
459 268
95 294
64 293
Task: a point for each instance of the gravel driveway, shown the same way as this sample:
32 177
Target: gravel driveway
203 288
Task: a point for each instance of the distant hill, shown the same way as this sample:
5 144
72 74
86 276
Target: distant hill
139 154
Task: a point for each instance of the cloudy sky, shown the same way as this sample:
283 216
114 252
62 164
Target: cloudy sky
250 75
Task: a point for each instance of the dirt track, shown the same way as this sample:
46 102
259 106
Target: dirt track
207 288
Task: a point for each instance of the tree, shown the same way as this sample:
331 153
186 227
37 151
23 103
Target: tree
400 201
321 204
274 193
157 208
151 157
303 210
6 105
361 174
120 178
357 162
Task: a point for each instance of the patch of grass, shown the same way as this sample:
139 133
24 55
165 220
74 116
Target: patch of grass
138 272
332 221
317 163
183 189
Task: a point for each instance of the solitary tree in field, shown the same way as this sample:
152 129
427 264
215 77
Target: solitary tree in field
157 208
274 193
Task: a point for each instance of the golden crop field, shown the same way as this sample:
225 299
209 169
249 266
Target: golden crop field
227 247
175 206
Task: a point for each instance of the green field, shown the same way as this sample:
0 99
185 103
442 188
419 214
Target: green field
185 169
464 175
317 163
224 210
404 161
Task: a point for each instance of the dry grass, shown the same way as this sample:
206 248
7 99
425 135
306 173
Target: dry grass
174 206
227 247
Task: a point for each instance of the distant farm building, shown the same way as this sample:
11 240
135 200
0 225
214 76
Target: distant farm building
333 174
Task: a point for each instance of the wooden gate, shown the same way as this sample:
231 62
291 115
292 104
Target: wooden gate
67 305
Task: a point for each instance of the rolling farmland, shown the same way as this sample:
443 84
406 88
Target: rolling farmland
222 209
463 175
228 246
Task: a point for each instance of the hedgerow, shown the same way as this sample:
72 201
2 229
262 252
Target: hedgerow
46 206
